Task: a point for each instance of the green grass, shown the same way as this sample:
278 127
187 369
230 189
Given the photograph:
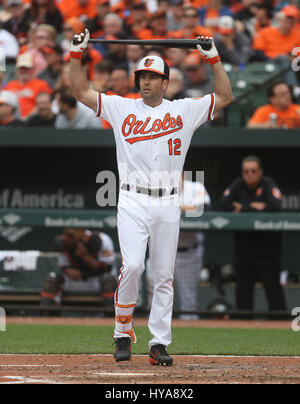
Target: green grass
60 339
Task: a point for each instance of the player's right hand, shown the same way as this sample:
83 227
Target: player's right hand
211 56
80 42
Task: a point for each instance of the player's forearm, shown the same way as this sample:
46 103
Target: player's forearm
222 83
79 82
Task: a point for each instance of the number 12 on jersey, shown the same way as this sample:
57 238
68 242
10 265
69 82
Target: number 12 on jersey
174 147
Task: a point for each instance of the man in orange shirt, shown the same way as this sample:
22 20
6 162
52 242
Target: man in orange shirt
158 27
26 87
279 113
82 9
277 41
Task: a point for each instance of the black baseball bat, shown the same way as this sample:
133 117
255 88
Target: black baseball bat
167 43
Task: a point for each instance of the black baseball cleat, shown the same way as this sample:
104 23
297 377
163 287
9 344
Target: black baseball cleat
160 356
123 349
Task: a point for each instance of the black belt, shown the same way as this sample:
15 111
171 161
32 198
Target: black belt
185 249
159 192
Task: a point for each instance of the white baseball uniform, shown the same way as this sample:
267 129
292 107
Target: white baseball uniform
151 145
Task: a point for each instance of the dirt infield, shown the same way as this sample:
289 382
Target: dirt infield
101 369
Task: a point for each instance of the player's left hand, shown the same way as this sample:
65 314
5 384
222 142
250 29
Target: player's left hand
211 56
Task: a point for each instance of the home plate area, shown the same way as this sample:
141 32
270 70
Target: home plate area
101 369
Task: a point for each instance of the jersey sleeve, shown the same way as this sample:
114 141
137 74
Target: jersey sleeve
107 106
200 110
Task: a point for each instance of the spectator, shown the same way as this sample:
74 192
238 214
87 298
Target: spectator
192 28
72 27
74 116
273 42
176 85
86 264
137 21
233 47
210 14
198 80
158 27
16 23
175 15
10 45
279 113
95 24
134 53
277 43
53 55
26 87
176 57
120 84
116 54
44 115
102 74
258 254
113 26
43 36
82 9
8 110
64 82
44 12
254 17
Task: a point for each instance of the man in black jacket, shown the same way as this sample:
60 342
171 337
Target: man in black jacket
258 254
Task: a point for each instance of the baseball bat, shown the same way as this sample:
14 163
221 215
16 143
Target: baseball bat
167 43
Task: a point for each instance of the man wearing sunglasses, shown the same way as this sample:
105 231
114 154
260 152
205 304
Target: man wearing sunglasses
258 254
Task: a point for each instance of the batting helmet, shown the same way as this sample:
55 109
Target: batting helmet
152 64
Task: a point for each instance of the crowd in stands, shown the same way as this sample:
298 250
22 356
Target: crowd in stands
35 37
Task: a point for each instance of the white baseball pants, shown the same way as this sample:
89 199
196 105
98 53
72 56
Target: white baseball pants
144 220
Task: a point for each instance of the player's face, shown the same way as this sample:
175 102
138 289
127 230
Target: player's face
252 173
152 86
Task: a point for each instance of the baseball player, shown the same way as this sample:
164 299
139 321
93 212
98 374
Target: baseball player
152 138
